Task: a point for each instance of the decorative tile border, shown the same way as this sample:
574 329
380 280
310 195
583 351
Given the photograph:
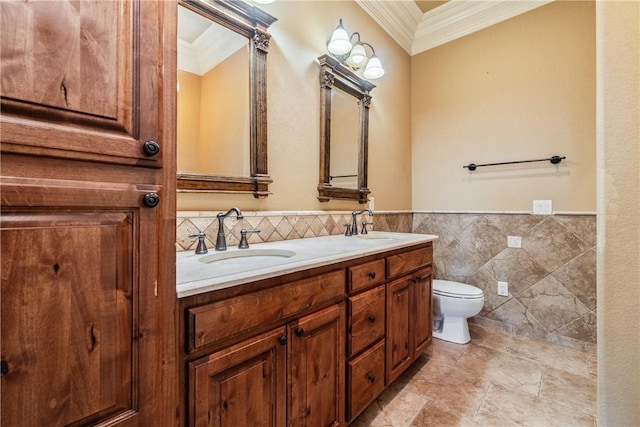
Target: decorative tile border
277 226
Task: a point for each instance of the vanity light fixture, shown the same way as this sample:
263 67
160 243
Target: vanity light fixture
354 54
263 1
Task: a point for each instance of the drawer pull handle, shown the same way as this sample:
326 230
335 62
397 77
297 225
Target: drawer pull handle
371 378
283 340
372 275
299 332
4 368
372 318
419 279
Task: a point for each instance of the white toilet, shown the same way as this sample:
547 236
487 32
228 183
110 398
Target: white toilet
453 304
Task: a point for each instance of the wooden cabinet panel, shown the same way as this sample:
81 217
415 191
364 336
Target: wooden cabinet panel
316 369
243 313
68 316
88 305
365 379
71 69
409 261
422 314
399 339
366 319
366 275
243 385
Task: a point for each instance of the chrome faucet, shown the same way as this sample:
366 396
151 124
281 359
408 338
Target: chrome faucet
221 239
354 221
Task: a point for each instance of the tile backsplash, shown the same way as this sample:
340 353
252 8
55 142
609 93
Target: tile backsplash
552 277
276 226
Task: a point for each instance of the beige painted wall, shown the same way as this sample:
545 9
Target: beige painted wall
224 117
298 38
618 123
522 89
188 122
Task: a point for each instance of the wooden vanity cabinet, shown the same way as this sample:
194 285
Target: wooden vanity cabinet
292 374
312 348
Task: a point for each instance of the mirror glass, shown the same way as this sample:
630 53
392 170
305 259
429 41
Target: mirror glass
344 132
222 104
213 98
345 116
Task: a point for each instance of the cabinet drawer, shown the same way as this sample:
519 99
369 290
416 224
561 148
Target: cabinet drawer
367 319
406 262
365 374
366 275
230 317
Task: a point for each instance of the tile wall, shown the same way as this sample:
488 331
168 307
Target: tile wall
552 277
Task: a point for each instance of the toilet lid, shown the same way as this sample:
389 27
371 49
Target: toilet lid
456 289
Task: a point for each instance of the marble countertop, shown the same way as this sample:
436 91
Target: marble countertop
195 276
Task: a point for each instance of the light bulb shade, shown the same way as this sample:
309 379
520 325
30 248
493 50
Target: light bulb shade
374 69
263 1
339 43
358 57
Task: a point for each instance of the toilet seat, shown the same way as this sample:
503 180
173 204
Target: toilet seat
451 289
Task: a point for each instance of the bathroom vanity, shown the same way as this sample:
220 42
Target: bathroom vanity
300 332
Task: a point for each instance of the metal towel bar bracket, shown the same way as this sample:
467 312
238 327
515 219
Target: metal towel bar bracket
553 159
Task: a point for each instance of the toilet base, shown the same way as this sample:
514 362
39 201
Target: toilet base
454 329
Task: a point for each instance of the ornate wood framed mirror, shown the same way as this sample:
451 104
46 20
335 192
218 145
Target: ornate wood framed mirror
344 132
222 128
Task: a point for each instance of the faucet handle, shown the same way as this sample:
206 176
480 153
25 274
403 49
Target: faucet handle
244 244
202 246
364 227
348 229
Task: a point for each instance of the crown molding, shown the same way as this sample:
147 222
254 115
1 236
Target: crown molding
416 32
399 19
459 18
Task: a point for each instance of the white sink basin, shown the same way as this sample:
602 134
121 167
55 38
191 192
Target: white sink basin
259 254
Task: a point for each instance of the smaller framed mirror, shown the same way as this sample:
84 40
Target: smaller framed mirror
344 132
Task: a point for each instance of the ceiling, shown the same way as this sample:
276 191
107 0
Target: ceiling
418 26
203 44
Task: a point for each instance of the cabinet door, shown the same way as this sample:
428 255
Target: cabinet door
399 337
243 385
72 68
316 369
71 322
422 317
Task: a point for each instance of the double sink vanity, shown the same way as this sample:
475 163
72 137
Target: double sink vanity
300 332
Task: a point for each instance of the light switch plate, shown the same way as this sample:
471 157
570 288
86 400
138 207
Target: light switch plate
542 207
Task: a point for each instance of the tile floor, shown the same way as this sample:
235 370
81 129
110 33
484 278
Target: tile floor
495 380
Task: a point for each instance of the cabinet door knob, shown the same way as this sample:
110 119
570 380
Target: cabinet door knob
372 275
151 200
151 148
299 332
4 368
371 378
283 340
372 318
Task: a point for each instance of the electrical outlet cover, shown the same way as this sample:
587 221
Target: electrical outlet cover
542 207
514 241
